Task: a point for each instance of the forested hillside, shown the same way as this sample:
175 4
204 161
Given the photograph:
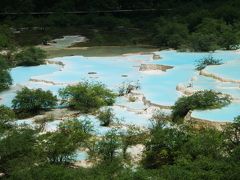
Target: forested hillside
186 25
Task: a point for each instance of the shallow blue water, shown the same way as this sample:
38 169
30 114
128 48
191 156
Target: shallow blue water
81 156
229 70
225 114
159 88
22 74
131 118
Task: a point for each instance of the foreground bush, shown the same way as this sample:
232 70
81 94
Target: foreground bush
6 114
200 100
87 97
31 102
107 147
207 61
60 147
106 117
31 56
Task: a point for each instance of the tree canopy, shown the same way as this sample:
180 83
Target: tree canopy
201 100
31 56
30 102
87 96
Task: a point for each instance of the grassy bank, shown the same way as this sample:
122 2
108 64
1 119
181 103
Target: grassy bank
98 51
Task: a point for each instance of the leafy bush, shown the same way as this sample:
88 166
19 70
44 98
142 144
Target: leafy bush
133 136
162 148
207 61
61 146
232 134
200 100
3 63
107 147
203 42
6 38
5 80
31 56
106 116
6 114
30 102
87 97
170 34
18 149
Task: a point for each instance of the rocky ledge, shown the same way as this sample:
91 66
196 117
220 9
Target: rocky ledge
188 91
214 76
154 67
46 82
55 62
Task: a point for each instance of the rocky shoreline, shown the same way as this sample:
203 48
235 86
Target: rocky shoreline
211 75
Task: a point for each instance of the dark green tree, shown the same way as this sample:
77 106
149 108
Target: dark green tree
32 101
60 147
108 146
201 100
5 79
31 56
106 116
87 96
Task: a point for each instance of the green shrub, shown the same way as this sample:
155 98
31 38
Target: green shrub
107 147
87 96
31 56
60 146
30 102
201 100
203 42
6 114
3 63
5 80
6 38
207 61
106 116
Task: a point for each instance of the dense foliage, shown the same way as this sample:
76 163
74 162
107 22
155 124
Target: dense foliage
31 56
6 114
5 79
30 102
182 152
87 96
185 25
6 38
172 151
60 147
201 100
